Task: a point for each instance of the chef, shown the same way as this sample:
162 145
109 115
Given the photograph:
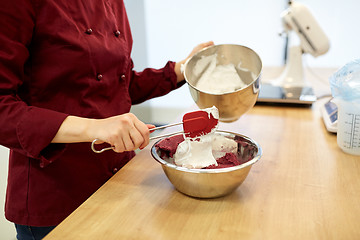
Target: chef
66 79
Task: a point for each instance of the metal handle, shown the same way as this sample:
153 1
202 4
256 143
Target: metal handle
165 126
99 151
165 135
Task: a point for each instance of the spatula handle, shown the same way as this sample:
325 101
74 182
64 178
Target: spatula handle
165 126
165 135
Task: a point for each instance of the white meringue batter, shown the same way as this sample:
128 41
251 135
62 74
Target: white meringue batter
215 78
201 152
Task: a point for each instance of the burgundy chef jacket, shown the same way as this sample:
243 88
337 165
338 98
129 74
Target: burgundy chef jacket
60 58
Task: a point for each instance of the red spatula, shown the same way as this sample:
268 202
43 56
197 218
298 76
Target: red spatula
195 124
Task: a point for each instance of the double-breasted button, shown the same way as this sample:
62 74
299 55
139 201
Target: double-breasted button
99 76
88 31
115 170
123 77
117 33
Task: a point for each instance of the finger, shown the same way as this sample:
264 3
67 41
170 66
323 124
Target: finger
128 141
200 47
137 133
119 145
125 141
137 138
146 140
205 45
145 133
150 126
209 43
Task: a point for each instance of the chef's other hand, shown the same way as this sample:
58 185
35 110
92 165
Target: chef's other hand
179 74
199 47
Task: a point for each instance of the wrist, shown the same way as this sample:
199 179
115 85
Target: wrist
179 73
88 129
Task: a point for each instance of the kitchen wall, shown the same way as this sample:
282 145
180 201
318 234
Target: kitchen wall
7 230
174 27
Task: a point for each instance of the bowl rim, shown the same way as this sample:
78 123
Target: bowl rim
226 93
210 171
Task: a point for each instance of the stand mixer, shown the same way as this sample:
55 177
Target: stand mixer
305 36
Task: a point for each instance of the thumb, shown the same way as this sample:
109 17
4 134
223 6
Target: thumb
150 126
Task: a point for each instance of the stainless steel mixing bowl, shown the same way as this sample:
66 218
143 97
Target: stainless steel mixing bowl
234 104
210 183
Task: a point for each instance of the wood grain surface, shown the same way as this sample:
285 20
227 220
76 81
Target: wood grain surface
303 187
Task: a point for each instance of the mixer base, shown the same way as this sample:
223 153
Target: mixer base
280 95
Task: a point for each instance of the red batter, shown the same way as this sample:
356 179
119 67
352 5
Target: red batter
170 144
229 160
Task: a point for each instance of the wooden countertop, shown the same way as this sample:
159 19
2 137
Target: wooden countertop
303 187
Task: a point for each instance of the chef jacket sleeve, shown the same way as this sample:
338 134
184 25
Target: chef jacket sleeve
152 83
23 128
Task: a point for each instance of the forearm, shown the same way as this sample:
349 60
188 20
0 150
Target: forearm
74 129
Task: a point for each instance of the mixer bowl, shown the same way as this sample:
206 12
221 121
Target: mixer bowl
210 183
231 105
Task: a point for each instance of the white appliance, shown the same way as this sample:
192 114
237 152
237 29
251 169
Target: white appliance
305 36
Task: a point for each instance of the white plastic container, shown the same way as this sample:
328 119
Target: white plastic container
348 133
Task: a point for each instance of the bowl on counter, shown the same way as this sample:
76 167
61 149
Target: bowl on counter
231 105
210 183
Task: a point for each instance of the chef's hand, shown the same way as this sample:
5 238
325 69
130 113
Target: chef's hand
179 74
125 132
